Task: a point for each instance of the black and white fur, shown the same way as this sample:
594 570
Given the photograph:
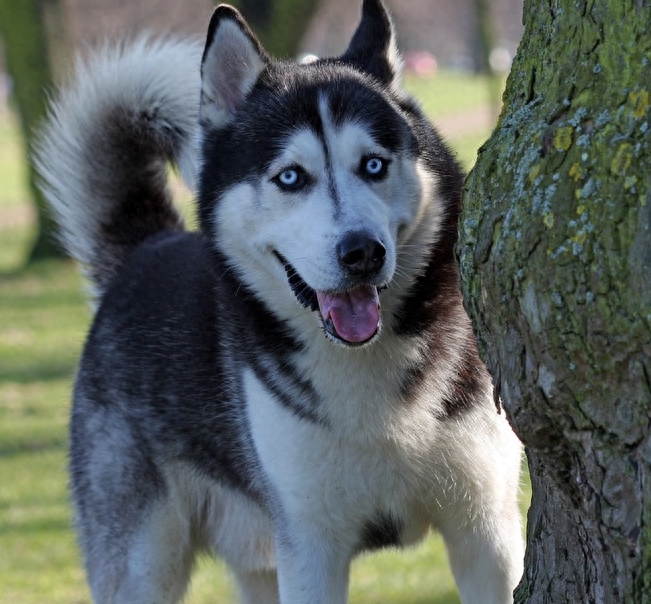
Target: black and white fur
298 382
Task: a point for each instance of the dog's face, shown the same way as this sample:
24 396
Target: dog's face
310 186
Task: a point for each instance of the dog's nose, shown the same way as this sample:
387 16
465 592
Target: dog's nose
360 253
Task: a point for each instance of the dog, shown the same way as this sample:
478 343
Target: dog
297 381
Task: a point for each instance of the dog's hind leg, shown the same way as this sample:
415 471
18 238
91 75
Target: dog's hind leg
257 587
134 528
150 566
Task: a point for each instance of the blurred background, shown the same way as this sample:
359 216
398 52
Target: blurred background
457 56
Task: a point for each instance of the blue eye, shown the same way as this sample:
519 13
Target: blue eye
288 178
374 167
291 179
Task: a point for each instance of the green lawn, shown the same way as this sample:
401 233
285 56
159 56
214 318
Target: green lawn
43 319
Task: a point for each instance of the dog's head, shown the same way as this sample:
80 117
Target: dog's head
315 185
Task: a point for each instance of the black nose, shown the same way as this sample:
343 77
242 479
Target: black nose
360 253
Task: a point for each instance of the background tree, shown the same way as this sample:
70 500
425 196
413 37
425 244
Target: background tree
485 39
280 24
33 35
555 256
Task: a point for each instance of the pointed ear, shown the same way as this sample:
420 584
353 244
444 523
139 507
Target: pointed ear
373 46
232 61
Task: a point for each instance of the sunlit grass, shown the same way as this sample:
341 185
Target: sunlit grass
43 320
447 93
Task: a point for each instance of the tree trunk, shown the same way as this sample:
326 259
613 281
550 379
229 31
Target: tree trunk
485 39
28 28
555 253
280 24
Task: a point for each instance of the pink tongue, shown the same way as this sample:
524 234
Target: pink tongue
355 315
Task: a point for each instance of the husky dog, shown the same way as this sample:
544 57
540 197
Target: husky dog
298 381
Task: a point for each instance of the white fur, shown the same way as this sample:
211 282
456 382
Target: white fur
327 487
145 75
252 222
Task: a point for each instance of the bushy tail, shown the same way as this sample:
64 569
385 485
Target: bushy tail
103 152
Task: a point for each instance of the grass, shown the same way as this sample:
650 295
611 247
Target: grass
43 320
451 92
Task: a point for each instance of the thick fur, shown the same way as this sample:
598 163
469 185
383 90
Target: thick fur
297 382
130 111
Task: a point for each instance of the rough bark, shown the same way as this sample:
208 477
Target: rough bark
555 254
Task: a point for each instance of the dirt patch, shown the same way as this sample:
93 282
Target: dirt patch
16 216
480 119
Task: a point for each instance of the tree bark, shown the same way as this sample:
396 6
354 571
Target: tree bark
555 255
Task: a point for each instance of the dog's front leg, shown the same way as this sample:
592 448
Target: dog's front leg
486 558
312 569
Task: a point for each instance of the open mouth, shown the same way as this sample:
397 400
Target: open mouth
351 317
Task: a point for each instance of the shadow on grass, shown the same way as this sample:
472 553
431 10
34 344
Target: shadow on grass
37 370
44 285
30 444
43 318
35 526
450 597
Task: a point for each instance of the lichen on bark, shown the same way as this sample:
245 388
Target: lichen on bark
555 257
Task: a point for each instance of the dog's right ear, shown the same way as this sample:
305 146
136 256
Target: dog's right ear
232 61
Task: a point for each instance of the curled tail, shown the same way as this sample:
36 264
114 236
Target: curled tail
103 152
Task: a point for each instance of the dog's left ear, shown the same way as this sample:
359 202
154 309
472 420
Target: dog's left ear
373 46
232 61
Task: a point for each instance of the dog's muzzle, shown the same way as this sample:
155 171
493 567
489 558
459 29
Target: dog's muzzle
350 316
